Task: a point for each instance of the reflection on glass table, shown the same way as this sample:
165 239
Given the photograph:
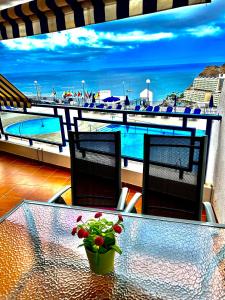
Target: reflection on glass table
162 258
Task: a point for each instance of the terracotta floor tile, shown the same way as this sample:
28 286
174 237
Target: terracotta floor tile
21 178
61 173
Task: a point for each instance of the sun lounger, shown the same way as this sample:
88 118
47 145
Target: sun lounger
137 108
119 107
187 110
92 105
149 108
156 108
169 109
197 111
100 105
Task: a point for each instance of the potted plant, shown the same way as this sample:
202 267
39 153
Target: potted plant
99 240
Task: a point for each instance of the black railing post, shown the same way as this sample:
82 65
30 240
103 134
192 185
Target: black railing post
79 112
75 124
30 142
55 111
184 124
125 118
208 133
68 121
125 162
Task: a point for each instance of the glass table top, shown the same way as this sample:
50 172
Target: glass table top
162 258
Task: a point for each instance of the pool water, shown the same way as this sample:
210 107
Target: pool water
34 127
132 137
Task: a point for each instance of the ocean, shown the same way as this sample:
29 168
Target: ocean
130 80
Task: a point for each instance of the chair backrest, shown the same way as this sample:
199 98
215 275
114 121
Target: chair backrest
173 176
95 168
187 110
109 107
119 106
85 104
92 105
100 105
137 107
149 108
169 109
156 108
197 111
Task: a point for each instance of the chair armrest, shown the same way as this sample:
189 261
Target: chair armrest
132 202
122 199
210 216
59 194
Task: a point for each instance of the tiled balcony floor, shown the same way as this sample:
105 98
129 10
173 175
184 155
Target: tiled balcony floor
21 178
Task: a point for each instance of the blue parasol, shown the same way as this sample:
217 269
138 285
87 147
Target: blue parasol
175 101
127 102
211 104
111 99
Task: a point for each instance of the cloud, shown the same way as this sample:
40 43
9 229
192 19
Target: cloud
202 31
82 37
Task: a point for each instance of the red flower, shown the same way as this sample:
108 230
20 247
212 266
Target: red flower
79 218
85 234
98 215
81 233
120 217
117 228
74 231
99 241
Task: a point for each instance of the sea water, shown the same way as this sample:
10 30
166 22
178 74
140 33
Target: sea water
130 80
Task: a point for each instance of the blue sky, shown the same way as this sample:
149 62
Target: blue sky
182 36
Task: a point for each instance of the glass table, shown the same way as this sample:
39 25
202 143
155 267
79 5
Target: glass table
162 258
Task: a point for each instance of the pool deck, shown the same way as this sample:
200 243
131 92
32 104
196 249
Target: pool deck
11 118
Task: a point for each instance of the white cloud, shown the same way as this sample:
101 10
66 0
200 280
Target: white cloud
205 30
84 37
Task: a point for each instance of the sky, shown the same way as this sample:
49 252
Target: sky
187 35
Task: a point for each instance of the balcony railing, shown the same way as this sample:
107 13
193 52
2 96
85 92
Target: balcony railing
70 116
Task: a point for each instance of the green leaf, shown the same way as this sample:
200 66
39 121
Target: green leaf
116 248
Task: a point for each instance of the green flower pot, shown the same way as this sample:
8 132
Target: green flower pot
101 263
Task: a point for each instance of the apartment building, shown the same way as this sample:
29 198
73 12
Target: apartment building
203 87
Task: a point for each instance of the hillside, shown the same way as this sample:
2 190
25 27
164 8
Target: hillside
213 71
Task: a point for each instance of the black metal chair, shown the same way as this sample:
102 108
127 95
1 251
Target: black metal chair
173 176
95 170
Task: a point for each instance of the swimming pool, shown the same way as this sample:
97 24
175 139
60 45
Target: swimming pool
34 127
132 137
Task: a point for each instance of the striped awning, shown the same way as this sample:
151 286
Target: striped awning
11 96
43 16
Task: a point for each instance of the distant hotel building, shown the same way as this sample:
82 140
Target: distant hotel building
203 87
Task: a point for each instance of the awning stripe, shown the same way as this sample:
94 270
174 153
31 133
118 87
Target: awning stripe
60 18
99 11
149 6
11 88
3 32
11 95
122 9
178 3
44 16
12 22
39 15
78 13
25 19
